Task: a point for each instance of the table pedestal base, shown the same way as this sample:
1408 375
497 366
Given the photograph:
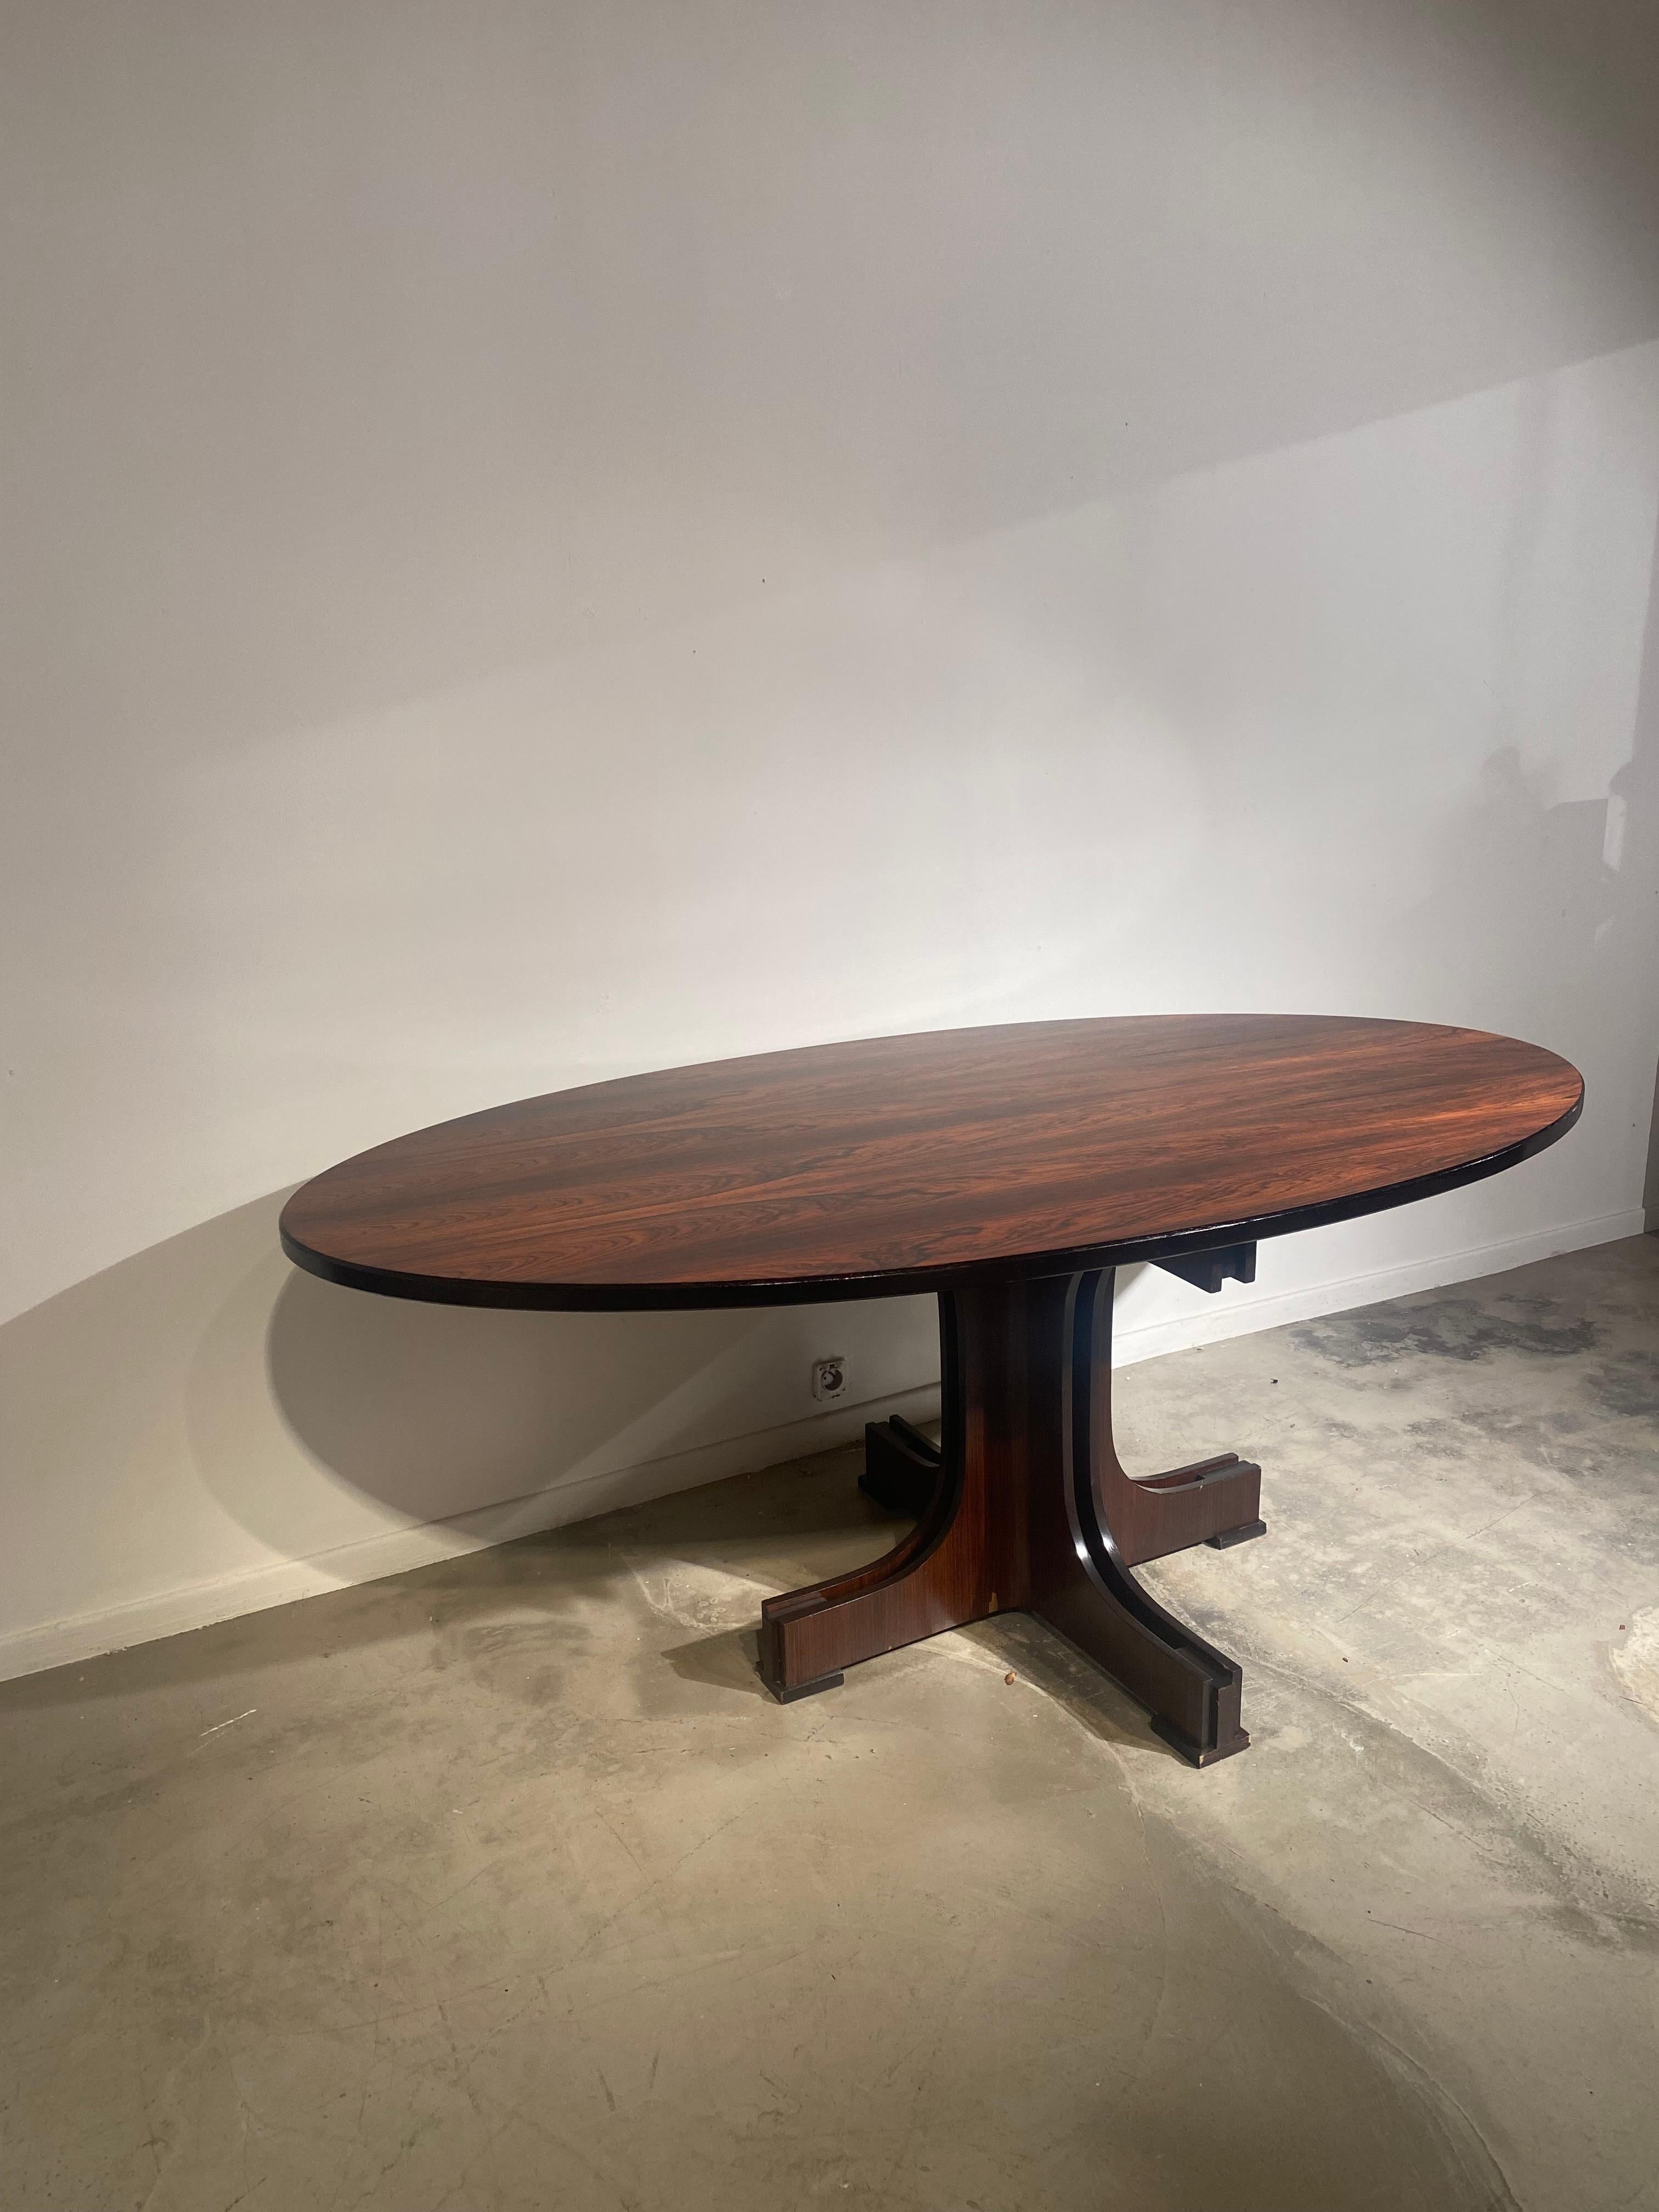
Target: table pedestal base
1027 1510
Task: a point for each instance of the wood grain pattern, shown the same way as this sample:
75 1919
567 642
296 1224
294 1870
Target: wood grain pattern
924 1163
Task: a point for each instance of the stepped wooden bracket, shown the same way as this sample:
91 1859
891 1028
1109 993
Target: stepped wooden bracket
1208 1271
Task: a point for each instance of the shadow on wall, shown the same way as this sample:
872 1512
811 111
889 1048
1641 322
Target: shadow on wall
202 1413
433 1410
1633 834
1539 903
1525 891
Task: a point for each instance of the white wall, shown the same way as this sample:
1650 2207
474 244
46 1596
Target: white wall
543 540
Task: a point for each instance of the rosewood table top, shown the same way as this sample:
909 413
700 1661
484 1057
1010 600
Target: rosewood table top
921 1162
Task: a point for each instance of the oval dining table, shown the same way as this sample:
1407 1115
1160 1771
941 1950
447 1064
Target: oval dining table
1008 1170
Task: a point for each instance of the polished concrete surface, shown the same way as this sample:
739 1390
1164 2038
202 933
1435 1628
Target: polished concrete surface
505 1885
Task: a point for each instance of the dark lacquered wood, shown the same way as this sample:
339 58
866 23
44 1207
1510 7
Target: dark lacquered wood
922 1163
901 1466
1030 1509
1208 1271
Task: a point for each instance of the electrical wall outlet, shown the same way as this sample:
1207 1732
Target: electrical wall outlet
829 1377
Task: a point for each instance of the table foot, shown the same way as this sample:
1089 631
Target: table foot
1195 1753
806 1689
1027 1508
1228 1537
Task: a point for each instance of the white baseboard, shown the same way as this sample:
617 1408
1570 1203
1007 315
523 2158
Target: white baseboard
1236 1313
254 1590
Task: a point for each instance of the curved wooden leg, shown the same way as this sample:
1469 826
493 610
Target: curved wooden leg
928 1582
1082 1583
1214 1501
808 1636
1032 1509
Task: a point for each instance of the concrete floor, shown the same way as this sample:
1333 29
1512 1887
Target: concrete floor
504 1885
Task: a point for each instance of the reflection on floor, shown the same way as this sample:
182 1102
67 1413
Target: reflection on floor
503 1884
